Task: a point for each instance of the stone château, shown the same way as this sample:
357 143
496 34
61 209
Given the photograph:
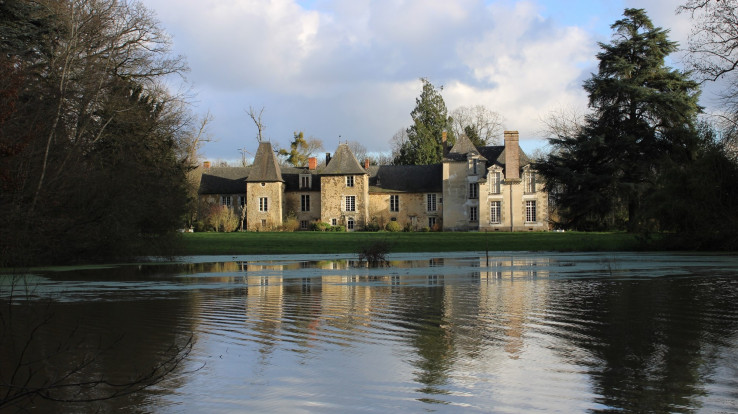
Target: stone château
491 188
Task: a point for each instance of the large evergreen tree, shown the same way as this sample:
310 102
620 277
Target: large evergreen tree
643 113
424 138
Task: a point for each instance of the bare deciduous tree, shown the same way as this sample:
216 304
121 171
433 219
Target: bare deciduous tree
482 125
256 117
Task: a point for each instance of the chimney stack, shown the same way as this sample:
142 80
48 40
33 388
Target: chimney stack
512 155
206 165
312 163
327 158
366 163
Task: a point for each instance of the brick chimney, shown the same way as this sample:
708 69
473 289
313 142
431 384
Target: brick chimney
512 156
206 165
312 163
366 163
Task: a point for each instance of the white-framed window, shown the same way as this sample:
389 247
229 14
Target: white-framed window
350 203
305 202
225 200
394 203
473 190
304 180
333 222
349 181
474 166
303 224
494 212
473 216
494 182
263 204
530 211
241 201
530 182
350 223
431 202
431 222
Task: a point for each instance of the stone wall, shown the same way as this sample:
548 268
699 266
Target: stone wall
333 200
264 220
412 212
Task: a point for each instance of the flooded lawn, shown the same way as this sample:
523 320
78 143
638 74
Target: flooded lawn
516 332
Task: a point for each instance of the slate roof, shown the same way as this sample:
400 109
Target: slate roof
265 167
343 162
461 148
291 177
406 178
224 180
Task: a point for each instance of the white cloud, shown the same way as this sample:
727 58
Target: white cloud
351 68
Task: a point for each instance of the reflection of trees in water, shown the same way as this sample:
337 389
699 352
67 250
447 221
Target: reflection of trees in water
70 355
653 342
422 312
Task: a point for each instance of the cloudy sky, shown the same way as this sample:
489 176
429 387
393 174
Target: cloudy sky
350 69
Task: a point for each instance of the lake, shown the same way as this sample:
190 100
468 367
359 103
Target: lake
449 332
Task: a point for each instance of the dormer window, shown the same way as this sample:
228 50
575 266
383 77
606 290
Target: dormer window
305 181
349 181
494 182
474 166
530 182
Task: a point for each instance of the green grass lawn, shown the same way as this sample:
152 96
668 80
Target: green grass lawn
319 242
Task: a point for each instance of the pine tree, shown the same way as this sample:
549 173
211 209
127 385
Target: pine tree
424 143
643 112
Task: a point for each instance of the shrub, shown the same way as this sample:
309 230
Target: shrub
393 226
320 226
425 230
222 218
372 226
337 229
375 254
291 223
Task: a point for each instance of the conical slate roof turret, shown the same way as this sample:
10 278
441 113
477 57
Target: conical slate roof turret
343 163
265 168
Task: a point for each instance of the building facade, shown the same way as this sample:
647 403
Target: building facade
489 188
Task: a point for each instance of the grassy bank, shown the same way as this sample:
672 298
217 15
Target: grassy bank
318 242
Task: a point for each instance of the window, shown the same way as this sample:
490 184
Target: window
494 212
431 222
350 223
305 202
394 203
473 190
303 224
225 200
431 201
263 223
350 203
304 181
473 213
263 204
474 166
530 211
494 182
241 201
530 182
333 222
349 181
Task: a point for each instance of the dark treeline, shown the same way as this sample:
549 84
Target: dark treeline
642 160
94 152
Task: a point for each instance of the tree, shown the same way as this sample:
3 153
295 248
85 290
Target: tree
84 98
256 118
430 120
479 123
713 54
301 150
358 149
643 113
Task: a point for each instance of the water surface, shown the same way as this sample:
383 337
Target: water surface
516 332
